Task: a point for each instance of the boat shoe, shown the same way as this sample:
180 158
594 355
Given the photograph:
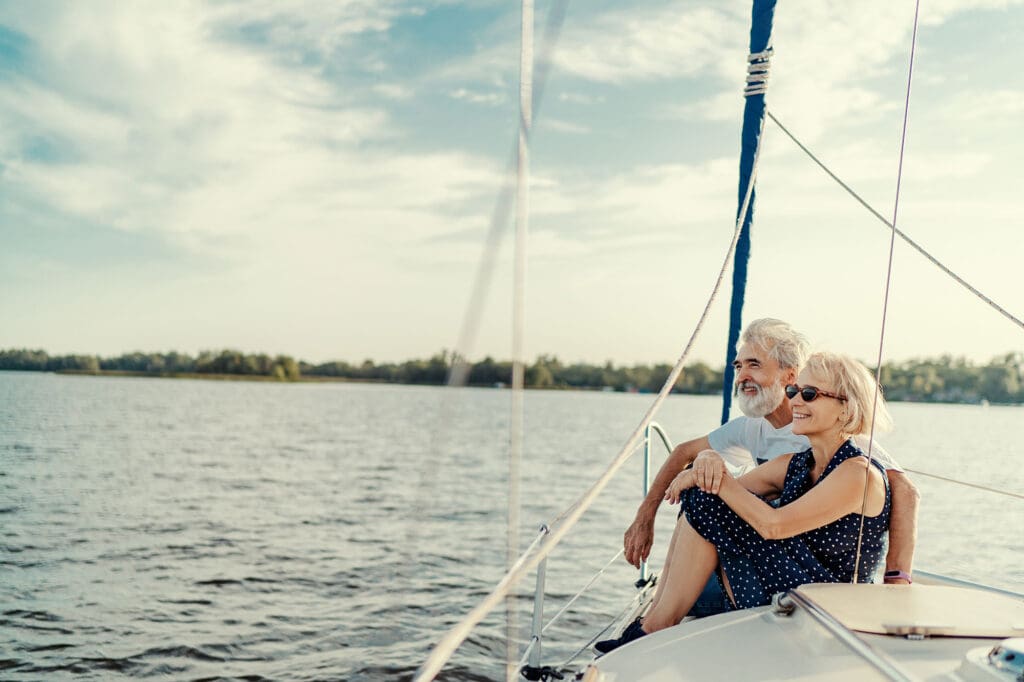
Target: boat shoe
633 631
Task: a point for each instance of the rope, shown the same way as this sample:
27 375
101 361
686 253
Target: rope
444 649
758 66
902 235
997 491
885 298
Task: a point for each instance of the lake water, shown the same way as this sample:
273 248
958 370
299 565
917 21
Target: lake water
233 530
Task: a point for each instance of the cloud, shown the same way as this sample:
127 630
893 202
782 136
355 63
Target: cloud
580 98
635 45
973 105
394 91
821 56
476 97
321 27
560 126
192 136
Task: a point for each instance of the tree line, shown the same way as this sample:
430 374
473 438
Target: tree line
943 379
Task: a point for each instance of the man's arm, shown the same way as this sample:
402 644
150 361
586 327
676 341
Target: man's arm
639 536
902 525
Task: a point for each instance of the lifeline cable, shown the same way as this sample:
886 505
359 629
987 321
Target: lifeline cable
977 486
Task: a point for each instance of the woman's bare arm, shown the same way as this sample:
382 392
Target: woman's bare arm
840 494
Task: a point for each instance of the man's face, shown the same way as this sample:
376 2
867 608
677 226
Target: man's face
759 387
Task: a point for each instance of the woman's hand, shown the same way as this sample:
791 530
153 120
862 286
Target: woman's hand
709 471
680 483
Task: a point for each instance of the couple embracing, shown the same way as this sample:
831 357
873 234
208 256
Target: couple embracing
795 518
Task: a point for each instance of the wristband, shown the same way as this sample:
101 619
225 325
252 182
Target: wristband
898 575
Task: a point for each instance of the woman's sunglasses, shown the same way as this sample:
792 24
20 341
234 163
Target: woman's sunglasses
809 393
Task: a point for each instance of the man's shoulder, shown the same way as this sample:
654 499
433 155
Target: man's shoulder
741 427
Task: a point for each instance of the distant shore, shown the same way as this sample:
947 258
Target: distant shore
946 379
301 379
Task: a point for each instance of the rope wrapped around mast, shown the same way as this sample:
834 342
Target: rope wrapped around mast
758 71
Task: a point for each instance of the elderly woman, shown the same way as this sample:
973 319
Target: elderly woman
811 536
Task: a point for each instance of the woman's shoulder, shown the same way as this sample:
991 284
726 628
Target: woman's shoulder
859 463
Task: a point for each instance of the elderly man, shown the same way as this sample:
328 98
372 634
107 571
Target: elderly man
769 357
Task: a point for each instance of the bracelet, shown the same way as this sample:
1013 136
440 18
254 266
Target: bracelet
898 575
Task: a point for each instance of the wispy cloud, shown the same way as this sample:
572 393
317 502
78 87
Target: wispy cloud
561 126
166 126
580 98
668 42
476 97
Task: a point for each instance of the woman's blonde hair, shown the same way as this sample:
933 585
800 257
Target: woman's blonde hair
853 380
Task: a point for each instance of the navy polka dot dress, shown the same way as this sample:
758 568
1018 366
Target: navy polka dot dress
759 568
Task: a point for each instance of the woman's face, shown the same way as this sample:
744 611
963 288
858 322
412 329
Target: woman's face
820 415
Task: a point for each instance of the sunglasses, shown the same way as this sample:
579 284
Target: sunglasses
809 393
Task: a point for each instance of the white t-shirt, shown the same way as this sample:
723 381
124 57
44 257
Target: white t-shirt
746 441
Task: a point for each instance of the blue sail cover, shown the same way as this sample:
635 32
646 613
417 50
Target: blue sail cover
753 113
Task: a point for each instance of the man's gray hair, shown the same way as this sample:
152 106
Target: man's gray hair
781 342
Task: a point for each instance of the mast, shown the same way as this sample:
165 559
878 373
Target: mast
762 14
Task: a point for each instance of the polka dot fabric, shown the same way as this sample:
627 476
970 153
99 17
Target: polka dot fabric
759 568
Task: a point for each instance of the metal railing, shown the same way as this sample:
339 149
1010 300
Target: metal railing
532 654
656 428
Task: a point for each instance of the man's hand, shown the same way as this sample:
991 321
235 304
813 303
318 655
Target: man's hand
638 539
708 471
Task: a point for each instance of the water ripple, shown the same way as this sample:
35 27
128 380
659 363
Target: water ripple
227 531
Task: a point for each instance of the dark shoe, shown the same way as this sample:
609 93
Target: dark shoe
633 631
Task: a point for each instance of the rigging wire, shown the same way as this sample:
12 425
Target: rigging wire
536 639
444 649
582 590
978 486
902 235
888 287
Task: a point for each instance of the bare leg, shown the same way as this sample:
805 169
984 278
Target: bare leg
668 565
691 561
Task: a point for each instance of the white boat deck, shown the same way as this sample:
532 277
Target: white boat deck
952 630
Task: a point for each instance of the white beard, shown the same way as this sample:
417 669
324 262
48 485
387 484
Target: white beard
764 402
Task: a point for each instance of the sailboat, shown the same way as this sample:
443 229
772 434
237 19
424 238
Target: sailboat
938 628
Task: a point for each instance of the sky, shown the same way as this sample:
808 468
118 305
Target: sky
317 178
